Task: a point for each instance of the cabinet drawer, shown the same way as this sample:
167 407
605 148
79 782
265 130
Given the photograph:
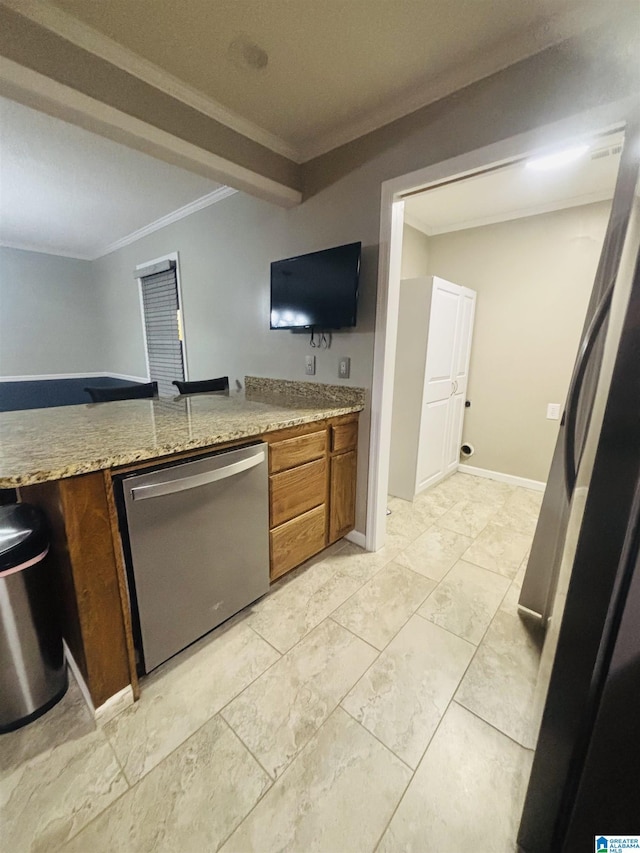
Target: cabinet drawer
296 451
344 437
297 490
295 541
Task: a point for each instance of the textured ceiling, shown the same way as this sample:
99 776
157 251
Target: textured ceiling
312 70
67 191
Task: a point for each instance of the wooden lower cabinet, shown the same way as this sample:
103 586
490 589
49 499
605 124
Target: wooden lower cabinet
312 483
312 503
295 541
342 501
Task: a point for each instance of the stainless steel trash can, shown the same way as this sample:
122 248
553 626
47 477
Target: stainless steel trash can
33 672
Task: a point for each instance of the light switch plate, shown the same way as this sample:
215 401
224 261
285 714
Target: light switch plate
310 365
344 368
553 411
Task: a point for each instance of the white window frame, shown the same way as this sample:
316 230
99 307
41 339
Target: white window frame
172 256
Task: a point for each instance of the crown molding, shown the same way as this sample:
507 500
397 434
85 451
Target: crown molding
500 56
82 35
418 224
175 216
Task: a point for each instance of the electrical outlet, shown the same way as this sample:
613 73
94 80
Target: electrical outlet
553 411
310 365
344 367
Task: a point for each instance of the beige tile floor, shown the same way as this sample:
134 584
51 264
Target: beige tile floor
369 702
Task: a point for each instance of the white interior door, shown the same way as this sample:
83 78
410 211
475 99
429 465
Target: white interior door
441 365
464 336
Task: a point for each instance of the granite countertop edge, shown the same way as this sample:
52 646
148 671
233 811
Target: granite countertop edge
252 429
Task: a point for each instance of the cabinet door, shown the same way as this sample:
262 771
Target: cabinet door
464 335
441 365
342 517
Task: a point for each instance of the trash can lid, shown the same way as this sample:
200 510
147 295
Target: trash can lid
23 534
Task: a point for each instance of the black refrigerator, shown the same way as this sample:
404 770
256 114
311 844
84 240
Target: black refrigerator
583 576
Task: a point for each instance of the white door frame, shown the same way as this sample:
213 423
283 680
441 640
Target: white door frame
172 256
607 118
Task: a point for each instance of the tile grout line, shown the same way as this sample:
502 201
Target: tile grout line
134 785
285 772
239 736
375 737
130 787
357 637
492 726
379 652
422 757
431 739
272 779
330 616
194 732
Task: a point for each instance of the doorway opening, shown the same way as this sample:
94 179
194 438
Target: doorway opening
455 178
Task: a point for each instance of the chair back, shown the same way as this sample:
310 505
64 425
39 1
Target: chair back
111 393
220 384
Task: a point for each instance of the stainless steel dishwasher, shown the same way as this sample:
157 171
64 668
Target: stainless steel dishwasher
197 546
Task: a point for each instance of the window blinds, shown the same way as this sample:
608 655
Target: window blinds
163 333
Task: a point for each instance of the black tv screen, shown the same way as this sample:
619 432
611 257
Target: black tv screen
318 290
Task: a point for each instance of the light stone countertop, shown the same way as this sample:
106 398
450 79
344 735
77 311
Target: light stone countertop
38 445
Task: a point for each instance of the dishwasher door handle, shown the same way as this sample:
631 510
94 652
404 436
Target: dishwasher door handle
170 487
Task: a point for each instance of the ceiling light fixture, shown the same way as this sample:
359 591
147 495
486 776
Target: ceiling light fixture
557 159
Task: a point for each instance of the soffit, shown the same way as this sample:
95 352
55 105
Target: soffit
336 69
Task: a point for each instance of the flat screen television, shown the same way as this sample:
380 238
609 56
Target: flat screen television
318 290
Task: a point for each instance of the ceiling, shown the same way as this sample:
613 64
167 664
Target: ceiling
297 77
66 191
517 191
303 76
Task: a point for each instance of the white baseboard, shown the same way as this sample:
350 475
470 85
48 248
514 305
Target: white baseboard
357 538
82 684
35 377
125 376
536 485
114 705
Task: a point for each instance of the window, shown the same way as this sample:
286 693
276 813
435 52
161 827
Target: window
161 311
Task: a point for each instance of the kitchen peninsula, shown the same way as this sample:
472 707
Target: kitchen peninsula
63 459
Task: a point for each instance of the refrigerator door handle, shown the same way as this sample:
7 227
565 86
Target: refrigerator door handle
571 411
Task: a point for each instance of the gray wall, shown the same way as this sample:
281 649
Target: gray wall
49 316
415 253
225 250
